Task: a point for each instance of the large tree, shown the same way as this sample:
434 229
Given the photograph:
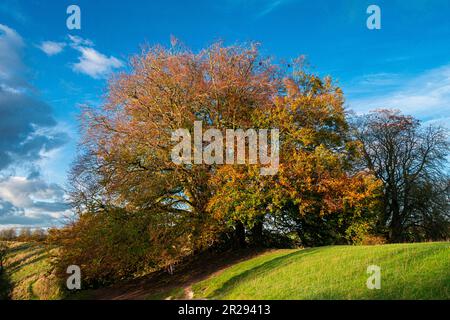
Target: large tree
125 174
411 161
139 208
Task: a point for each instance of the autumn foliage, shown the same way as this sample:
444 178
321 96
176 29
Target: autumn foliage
138 210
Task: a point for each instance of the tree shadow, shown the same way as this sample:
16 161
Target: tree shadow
23 246
192 270
30 262
19 263
267 266
5 286
396 288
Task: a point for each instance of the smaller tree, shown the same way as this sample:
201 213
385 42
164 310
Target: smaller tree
24 235
8 234
430 217
38 235
410 160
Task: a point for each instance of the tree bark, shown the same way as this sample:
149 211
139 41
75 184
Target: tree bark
257 233
239 235
395 232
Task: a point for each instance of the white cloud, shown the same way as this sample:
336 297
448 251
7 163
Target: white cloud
51 48
91 62
78 41
95 64
426 96
12 68
26 122
30 201
28 132
32 194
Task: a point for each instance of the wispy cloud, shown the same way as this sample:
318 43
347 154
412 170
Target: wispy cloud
426 95
78 41
259 8
12 9
52 48
269 6
378 79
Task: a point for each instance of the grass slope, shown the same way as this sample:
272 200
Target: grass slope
29 274
408 271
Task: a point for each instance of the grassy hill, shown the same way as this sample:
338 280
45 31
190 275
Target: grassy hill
29 273
408 271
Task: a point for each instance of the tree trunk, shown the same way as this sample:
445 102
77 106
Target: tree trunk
239 235
395 232
257 233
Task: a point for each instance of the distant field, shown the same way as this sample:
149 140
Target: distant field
29 274
408 271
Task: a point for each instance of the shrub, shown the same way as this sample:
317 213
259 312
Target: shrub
372 240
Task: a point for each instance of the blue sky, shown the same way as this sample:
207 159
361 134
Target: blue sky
48 71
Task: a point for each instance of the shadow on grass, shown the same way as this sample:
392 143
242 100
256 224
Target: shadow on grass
405 281
23 246
20 263
28 263
5 286
160 284
267 266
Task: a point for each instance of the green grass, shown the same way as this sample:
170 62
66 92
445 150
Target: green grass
29 273
408 271
172 294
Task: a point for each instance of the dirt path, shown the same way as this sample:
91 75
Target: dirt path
188 293
184 276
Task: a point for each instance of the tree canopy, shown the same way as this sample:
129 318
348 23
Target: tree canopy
138 209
